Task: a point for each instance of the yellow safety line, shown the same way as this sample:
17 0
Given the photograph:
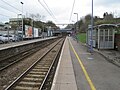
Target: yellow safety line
83 68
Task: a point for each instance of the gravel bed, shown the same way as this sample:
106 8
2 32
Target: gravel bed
9 75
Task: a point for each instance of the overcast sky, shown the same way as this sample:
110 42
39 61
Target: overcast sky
61 9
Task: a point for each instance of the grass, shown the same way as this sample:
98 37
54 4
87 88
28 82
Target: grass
82 37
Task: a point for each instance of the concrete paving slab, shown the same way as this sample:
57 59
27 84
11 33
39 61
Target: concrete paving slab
64 78
64 87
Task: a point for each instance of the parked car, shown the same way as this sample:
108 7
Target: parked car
0 38
6 38
15 38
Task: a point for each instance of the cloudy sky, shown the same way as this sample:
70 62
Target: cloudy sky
60 11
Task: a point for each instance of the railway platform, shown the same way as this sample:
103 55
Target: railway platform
15 44
64 78
79 69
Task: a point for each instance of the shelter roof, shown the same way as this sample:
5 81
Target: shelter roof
107 26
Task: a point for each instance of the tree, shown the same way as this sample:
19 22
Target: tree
107 16
87 17
52 25
69 26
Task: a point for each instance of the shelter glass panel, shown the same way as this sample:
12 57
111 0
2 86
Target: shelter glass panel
106 32
101 32
94 32
110 38
106 38
110 32
101 38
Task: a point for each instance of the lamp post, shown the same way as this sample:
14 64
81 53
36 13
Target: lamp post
22 19
77 22
73 24
18 25
43 32
91 39
33 25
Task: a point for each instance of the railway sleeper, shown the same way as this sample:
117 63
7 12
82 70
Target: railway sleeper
45 62
25 88
32 79
28 84
40 70
35 76
37 72
41 67
44 65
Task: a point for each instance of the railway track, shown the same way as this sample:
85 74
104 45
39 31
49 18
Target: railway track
18 57
39 76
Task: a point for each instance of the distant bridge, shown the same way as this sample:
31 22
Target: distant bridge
64 24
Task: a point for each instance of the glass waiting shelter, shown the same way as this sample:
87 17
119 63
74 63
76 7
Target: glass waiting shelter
94 36
102 36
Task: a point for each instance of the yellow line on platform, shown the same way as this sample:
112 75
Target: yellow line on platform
83 68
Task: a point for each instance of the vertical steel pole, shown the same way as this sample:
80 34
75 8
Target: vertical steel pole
22 19
8 34
77 22
17 24
91 39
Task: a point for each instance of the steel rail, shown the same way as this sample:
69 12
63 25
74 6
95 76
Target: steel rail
44 81
24 55
28 70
